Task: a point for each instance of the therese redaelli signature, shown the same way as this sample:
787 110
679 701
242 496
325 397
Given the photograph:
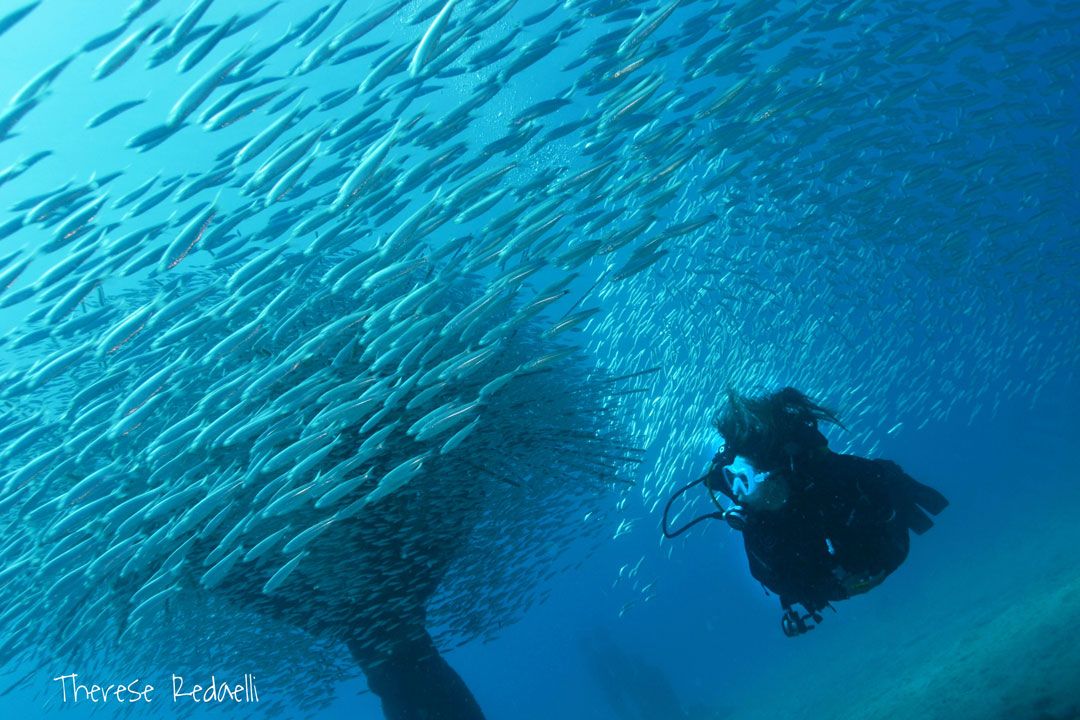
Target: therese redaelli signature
73 690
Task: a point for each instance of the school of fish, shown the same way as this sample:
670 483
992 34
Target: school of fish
412 274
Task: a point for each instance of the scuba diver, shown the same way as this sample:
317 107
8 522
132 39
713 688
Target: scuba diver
818 526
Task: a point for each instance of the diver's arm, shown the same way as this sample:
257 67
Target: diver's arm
853 493
785 558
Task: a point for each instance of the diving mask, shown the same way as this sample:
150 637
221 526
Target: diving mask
755 489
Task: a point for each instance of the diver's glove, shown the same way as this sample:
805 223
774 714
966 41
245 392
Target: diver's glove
714 478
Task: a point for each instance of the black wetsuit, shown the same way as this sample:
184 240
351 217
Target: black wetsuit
843 529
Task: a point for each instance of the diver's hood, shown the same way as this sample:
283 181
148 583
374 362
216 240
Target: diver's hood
753 488
779 450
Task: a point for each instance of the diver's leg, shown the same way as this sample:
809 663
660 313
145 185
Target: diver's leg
413 681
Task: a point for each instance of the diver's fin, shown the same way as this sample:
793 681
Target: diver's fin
918 521
928 498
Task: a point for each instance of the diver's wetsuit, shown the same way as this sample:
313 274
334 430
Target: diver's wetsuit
844 528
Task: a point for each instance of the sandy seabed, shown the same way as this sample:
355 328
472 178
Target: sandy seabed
999 640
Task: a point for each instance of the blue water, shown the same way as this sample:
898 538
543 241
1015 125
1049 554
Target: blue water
912 258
